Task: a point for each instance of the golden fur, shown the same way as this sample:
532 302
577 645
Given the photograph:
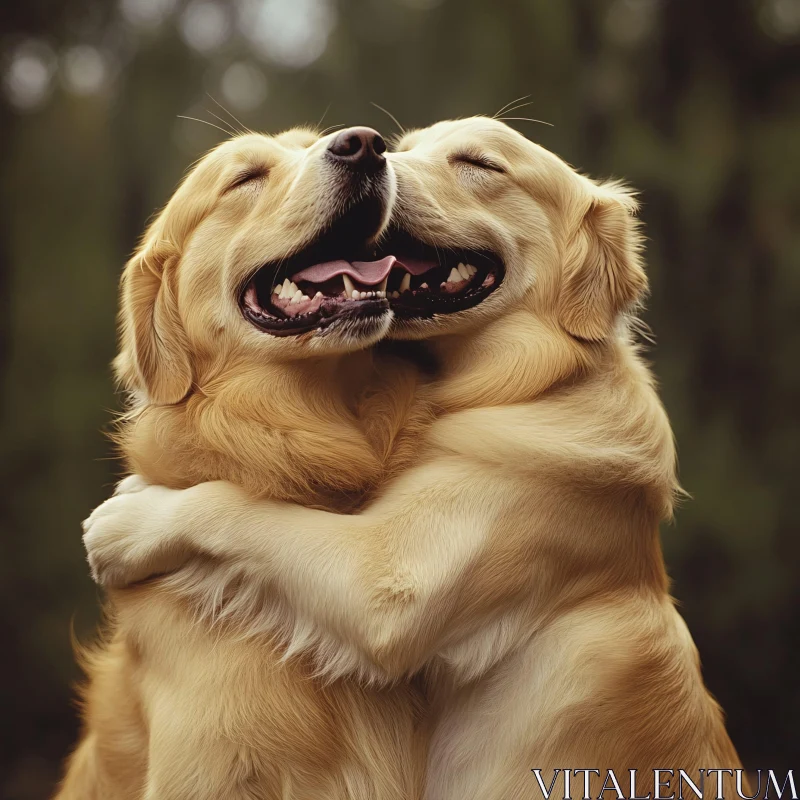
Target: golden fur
308 421
513 559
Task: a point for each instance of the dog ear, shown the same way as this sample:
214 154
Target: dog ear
154 354
603 274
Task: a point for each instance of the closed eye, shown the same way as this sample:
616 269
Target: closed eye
476 160
247 176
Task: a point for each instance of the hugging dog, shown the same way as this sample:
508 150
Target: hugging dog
516 562
176 709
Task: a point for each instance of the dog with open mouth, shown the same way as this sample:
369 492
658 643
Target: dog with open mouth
418 281
514 562
279 393
347 273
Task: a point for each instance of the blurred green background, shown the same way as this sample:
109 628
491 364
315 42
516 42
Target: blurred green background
695 103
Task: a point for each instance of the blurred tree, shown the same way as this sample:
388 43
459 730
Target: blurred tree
696 104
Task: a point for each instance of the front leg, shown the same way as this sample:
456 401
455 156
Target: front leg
417 572
134 534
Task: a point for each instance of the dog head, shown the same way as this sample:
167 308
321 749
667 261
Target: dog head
223 271
499 221
521 269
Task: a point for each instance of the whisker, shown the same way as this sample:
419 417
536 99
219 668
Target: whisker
526 119
324 114
281 271
241 125
233 131
517 107
331 128
505 107
205 122
390 115
436 250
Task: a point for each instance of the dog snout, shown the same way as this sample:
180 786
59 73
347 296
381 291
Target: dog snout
359 149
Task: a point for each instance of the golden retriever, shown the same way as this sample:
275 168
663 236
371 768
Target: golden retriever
288 406
516 561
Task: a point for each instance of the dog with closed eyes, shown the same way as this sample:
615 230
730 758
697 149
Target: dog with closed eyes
279 393
513 559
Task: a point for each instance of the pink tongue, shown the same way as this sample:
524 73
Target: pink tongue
368 273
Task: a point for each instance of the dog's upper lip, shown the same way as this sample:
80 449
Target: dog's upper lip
369 273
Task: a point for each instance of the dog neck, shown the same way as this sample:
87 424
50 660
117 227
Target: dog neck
536 355
314 430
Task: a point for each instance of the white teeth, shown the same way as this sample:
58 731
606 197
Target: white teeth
318 294
380 293
348 285
471 270
364 295
464 272
356 295
382 287
277 289
297 296
289 290
455 276
395 294
405 284
423 286
305 297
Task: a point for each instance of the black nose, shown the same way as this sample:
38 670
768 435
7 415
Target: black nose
359 148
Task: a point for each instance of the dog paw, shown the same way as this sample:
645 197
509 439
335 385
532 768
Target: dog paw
125 536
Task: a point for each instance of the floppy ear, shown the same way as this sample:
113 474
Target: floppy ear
154 356
603 274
